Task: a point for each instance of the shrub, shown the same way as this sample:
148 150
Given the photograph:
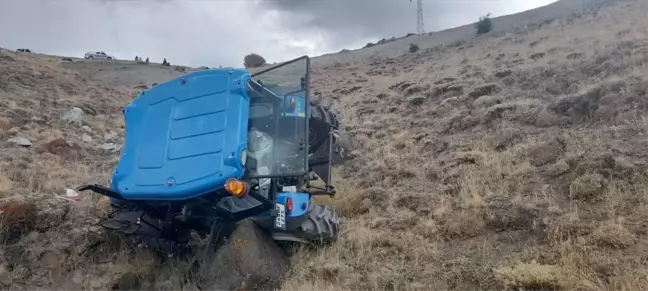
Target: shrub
253 61
484 24
413 48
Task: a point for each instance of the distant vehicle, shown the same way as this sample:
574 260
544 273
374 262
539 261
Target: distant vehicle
98 55
24 50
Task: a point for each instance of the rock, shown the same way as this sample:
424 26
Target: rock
86 138
19 140
87 128
487 101
110 136
110 146
250 260
74 115
13 130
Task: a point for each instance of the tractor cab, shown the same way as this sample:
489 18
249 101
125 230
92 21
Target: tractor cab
277 138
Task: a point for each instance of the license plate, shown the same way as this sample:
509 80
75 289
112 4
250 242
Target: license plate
280 220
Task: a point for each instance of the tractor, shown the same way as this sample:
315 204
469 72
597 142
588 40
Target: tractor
210 148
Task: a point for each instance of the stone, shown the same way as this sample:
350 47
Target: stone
74 115
109 146
249 260
19 140
110 136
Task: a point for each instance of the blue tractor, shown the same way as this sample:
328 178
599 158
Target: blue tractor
213 147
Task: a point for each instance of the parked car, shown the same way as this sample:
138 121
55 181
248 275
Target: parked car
98 55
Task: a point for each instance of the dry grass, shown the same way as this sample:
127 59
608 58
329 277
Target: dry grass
518 166
513 161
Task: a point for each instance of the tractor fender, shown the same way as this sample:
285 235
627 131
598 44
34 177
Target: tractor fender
300 201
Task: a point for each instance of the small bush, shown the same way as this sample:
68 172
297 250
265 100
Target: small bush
253 61
413 48
484 24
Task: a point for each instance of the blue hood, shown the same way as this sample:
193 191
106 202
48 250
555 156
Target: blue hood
184 137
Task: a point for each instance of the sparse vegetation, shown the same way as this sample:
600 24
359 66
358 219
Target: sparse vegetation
413 48
253 61
484 25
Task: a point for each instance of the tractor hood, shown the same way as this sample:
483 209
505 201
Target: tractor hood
184 137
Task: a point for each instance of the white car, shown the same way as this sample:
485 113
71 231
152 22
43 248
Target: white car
98 55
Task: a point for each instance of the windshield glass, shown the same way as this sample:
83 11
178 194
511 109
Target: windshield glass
277 136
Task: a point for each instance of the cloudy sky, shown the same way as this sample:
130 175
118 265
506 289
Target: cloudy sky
221 32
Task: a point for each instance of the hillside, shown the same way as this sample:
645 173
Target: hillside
514 160
518 22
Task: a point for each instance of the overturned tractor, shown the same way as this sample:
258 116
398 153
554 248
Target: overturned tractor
213 147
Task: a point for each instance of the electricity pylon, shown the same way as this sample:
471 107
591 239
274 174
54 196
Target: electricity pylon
420 28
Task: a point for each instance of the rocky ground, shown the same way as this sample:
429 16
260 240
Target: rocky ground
514 160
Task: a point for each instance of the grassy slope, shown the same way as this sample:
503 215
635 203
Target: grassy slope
521 165
538 183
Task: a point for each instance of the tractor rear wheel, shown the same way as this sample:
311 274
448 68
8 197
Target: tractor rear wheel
322 121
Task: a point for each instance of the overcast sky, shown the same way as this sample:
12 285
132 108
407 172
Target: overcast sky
221 32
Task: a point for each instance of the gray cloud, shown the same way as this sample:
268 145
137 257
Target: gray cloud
346 20
221 32
186 32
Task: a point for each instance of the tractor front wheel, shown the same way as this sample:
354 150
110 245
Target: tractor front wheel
322 226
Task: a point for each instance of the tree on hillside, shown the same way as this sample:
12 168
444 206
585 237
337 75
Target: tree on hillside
413 48
253 61
484 25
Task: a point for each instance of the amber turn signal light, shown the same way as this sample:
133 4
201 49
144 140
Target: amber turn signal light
289 205
235 187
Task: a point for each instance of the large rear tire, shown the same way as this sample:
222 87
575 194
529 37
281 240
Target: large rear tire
322 121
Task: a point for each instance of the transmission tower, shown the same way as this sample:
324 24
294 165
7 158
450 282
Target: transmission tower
420 28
